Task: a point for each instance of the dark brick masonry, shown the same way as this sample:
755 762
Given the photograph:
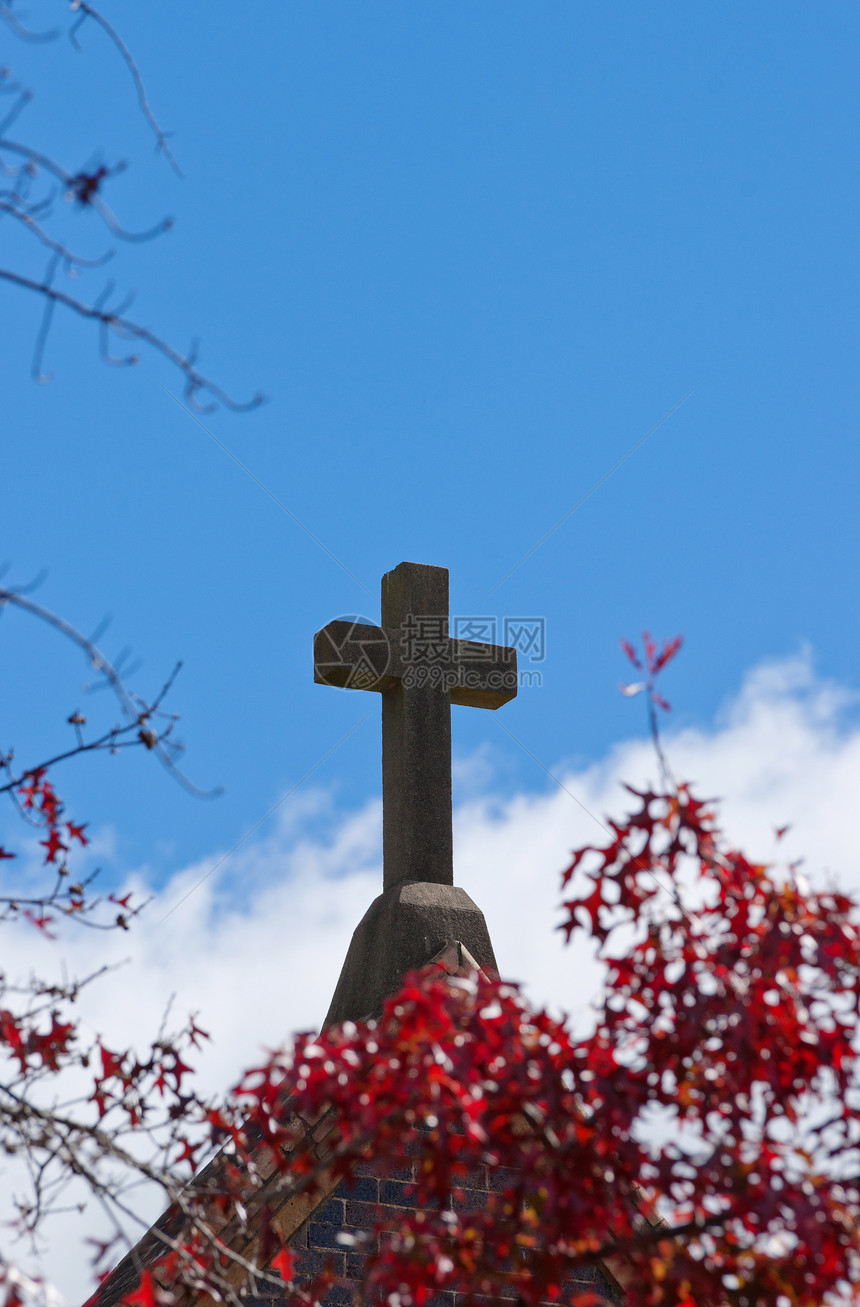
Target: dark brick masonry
356 1208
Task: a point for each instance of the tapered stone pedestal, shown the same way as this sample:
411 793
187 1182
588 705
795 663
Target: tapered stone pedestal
406 927
420 671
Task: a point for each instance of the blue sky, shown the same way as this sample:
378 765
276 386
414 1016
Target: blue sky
472 254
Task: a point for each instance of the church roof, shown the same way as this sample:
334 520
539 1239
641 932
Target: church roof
420 918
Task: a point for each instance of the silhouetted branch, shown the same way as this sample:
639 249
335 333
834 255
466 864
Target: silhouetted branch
87 11
137 711
29 200
84 187
44 327
26 218
31 790
14 23
13 88
195 381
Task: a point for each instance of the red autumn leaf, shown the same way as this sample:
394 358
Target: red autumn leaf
32 786
187 1153
670 648
178 1070
54 845
4 854
113 1064
283 1264
49 802
144 1294
77 832
195 1034
51 1045
631 653
41 921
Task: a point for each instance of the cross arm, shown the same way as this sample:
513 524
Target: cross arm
486 674
354 656
359 656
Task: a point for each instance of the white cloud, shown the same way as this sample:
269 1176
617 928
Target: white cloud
257 947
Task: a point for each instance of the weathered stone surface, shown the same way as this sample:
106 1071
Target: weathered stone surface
411 661
353 655
404 928
420 671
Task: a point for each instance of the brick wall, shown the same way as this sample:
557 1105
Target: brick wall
356 1208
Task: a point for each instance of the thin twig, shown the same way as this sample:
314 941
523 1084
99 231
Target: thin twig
23 33
195 382
87 11
44 326
136 711
25 217
82 187
85 188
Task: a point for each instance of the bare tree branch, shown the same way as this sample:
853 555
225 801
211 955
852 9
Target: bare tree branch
195 381
84 187
14 23
87 11
28 221
30 199
137 711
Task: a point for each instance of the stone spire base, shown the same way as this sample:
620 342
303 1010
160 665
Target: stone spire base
405 928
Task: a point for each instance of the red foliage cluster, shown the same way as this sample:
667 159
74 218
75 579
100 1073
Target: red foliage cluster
38 797
69 1129
730 1027
703 1136
652 664
129 1083
701 1139
34 1048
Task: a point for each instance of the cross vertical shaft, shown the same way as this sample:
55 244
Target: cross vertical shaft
412 661
417 841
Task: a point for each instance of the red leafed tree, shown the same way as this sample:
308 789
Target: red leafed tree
74 1112
701 1139
704 1135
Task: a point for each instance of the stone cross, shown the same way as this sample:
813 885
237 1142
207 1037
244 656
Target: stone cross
411 660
